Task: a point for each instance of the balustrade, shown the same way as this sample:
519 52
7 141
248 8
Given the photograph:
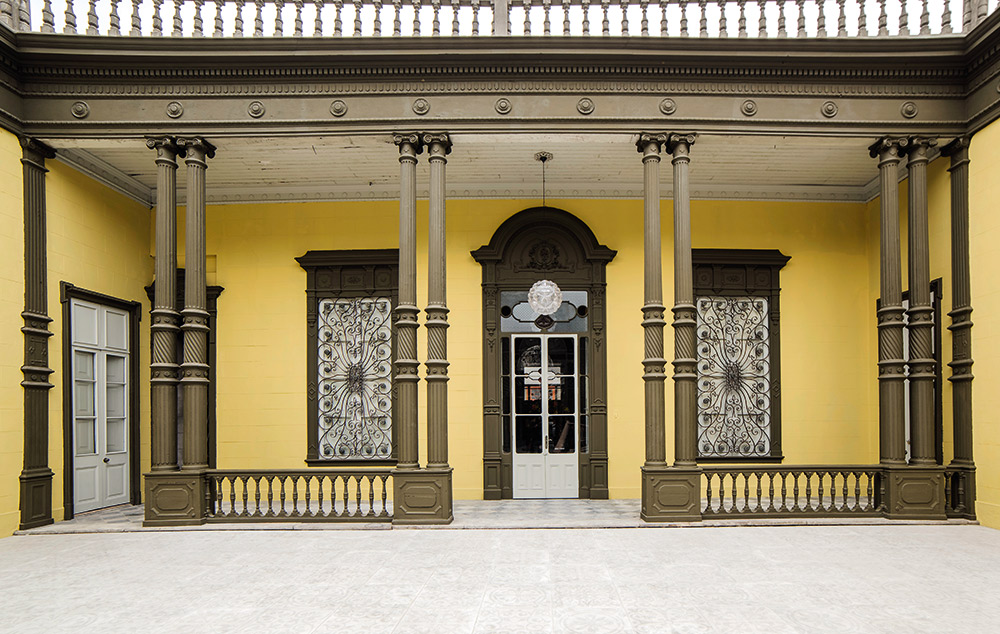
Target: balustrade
297 496
791 491
466 18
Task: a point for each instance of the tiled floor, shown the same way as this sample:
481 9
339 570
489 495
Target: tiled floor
809 579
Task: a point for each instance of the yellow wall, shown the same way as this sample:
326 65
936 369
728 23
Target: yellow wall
984 235
827 414
98 240
11 342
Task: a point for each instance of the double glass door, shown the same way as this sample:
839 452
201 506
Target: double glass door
546 419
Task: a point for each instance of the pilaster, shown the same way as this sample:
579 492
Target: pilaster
961 324
36 476
891 375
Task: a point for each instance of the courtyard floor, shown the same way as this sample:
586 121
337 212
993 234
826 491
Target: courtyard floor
773 579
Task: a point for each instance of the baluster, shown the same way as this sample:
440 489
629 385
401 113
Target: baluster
475 17
70 27
925 18
857 490
217 27
436 24
319 495
197 32
782 8
757 508
338 6
820 492
357 17
770 491
281 491
238 19
92 18
741 25
723 21
904 18
982 10
841 18
624 7
279 18
357 497
664 25
586 17
946 18
318 20
526 24
566 4
801 31
845 505
397 25
821 19
733 493
48 19
961 507
546 23
270 494
685 30
245 492
308 483
385 491
708 492
746 491
762 19
455 26
883 25
256 496
370 479
644 24
114 22
232 495
7 12
178 26
862 20
346 480
703 21
605 24
967 15
298 18
416 17
795 491
377 26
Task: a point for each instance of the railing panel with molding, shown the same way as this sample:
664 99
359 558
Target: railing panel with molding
958 493
299 496
789 491
408 18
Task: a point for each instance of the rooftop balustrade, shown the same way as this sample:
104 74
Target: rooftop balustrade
472 18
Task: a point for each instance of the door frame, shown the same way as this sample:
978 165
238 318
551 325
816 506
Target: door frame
67 293
544 242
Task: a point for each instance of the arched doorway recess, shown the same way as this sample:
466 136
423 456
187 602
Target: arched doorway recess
544 376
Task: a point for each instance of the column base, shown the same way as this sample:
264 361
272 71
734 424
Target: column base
174 498
36 498
671 494
422 496
913 493
963 493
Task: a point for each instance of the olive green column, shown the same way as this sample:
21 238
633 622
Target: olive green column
406 364
164 328
685 372
921 363
891 375
194 370
963 491
36 476
669 493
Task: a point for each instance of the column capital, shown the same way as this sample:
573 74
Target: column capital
888 148
958 150
195 149
166 147
34 152
679 145
650 144
918 146
410 145
438 144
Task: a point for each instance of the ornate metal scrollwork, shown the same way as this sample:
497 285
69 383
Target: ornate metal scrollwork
734 377
355 378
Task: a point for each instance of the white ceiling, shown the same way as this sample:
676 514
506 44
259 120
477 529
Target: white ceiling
363 167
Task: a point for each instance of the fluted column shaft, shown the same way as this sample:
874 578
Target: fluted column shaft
194 371
438 147
164 328
653 362
36 476
410 145
921 363
685 371
961 303
892 438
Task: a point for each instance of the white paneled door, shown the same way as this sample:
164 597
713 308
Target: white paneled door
544 406
100 362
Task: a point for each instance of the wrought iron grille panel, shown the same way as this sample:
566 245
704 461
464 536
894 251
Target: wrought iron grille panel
734 377
355 378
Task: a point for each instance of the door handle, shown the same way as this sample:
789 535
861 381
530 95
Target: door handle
107 460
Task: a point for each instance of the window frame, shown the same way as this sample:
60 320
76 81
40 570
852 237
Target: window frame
345 274
747 273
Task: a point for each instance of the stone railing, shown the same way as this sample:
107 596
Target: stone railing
790 491
406 18
361 495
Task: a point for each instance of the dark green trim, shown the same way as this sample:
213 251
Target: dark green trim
69 292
